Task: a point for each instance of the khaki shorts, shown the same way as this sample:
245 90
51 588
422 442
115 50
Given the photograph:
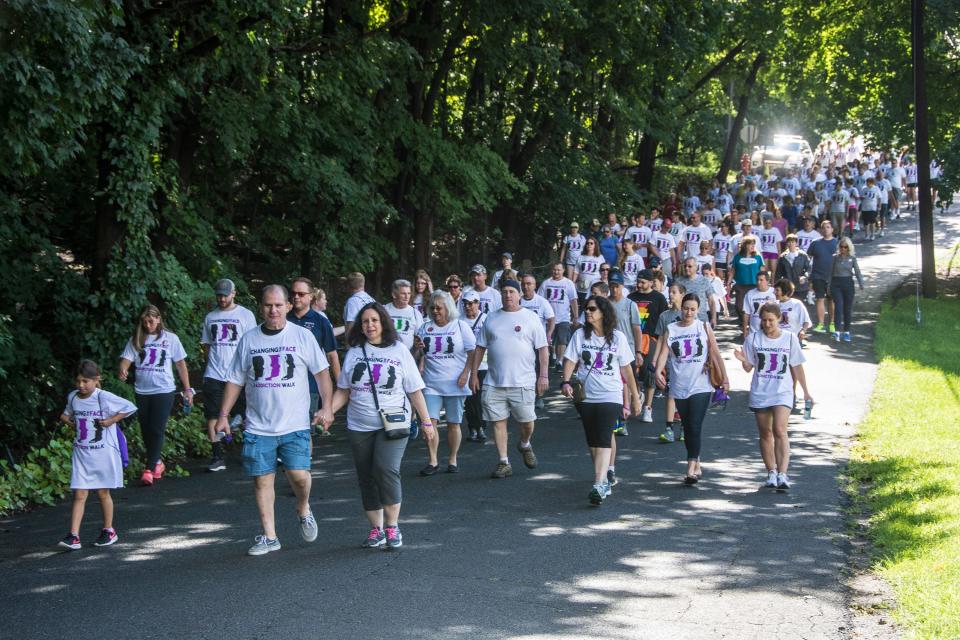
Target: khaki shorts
499 403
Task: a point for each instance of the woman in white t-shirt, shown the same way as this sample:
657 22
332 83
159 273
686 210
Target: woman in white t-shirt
422 288
776 360
572 249
99 450
688 343
588 266
379 376
602 358
630 264
446 344
155 351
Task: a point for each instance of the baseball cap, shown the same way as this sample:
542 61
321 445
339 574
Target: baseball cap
574 225
747 223
653 262
595 222
224 287
510 283
646 274
470 296
507 255
478 268
616 277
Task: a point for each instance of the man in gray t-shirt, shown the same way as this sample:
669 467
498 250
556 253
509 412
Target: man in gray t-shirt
702 287
628 316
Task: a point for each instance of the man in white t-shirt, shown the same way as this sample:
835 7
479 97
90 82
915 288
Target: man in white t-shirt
506 262
561 293
357 300
538 304
514 340
489 297
272 363
222 329
695 233
406 319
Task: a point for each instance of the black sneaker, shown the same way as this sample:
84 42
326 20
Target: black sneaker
70 541
394 539
429 470
107 538
216 464
481 435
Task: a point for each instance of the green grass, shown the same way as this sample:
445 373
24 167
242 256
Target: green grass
908 455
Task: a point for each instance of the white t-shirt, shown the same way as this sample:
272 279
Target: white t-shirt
490 299
588 268
445 355
574 248
632 265
221 332
393 372
712 217
559 293
599 364
688 350
655 224
406 321
896 175
476 325
693 236
676 230
154 363
772 382
96 450
806 238
724 202
354 303
419 301
869 198
911 173
770 240
702 260
719 290
721 247
540 306
640 237
752 301
511 339
665 243
274 370
793 315
839 201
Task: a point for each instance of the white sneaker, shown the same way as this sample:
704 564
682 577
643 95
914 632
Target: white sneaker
771 482
646 415
783 481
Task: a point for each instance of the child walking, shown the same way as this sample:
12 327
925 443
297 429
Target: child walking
97 458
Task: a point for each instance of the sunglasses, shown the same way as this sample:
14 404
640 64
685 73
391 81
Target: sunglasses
299 294
592 309
453 286
604 269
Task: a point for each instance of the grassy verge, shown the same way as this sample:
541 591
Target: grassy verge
908 457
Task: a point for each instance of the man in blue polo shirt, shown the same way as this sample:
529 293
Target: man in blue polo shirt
301 298
821 254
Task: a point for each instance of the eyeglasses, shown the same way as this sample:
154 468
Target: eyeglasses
592 309
299 294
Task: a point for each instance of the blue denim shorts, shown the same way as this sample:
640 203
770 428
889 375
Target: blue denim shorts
260 453
452 404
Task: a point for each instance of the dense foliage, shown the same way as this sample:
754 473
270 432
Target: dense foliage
153 146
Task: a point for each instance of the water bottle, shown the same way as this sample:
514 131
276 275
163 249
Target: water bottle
223 436
185 406
807 409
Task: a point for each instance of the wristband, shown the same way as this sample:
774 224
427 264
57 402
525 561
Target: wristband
426 424
190 389
567 383
224 415
544 377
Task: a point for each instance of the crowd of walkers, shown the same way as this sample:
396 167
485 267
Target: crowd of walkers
627 314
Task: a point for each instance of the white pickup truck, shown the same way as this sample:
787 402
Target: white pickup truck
786 152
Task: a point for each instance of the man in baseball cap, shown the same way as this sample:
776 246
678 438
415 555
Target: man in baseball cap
514 340
506 262
489 297
224 287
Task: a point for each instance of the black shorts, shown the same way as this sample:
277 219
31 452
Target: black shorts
868 217
820 288
599 421
911 185
212 391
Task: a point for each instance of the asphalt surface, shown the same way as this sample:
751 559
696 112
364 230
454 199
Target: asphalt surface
525 557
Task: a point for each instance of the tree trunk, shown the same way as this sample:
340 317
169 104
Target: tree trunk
109 229
730 149
646 161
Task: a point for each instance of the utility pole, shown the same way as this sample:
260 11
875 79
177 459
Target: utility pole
928 270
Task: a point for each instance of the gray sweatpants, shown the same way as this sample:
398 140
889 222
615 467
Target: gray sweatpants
377 460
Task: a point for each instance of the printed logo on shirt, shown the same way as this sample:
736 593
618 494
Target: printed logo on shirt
402 324
267 369
154 356
772 363
437 345
556 294
382 373
687 349
597 361
226 332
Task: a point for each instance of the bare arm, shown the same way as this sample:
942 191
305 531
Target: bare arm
124 369
231 391
185 380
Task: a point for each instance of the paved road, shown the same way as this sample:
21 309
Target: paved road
523 558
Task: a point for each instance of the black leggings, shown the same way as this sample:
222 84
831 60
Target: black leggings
474 413
841 290
599 420
692 412
153 411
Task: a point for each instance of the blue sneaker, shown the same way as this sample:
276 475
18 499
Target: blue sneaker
414 429
846 336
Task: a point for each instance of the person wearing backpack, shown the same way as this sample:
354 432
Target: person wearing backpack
99 450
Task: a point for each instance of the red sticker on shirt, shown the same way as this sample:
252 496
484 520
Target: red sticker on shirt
517 328
429 329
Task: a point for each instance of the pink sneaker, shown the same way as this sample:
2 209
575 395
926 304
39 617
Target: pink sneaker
158 470
147 477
